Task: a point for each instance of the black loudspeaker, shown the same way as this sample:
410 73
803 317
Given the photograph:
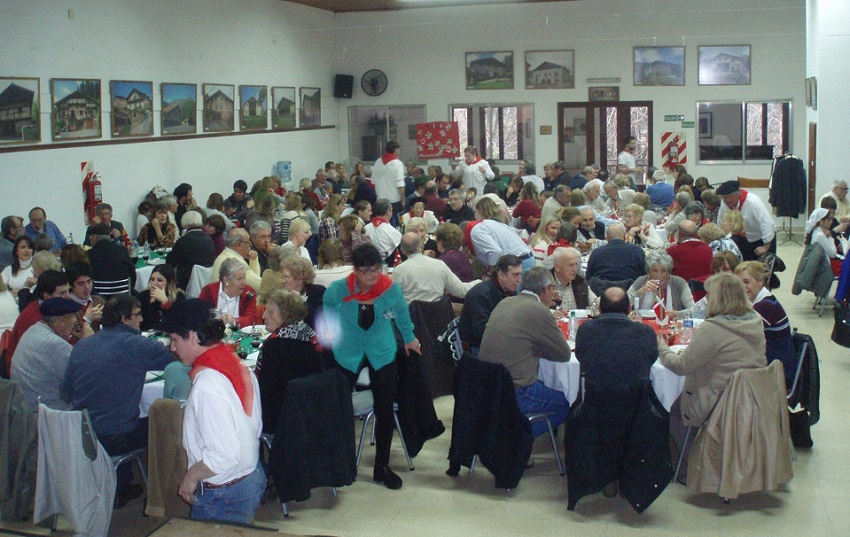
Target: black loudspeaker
343 86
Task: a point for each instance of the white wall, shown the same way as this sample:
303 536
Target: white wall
422 53
197 41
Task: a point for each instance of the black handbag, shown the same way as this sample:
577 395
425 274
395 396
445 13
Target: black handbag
841 328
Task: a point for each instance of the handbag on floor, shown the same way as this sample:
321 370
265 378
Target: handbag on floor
841 328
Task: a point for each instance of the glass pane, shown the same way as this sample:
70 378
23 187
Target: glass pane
491 131
640 130
461 115
755 123
720 131
510 145
575 139
776 120
370 128
611 142
507 130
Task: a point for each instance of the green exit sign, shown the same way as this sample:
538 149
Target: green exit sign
675 117
687 124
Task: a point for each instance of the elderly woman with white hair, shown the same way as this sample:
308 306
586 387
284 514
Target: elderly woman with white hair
299 234
675 293
234 299
419 226
640 232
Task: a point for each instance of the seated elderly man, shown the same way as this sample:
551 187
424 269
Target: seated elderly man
613 197
103 211
560 199
11 227
261 242
590 231
238 246
616 263
195 247
521 330
40 224
593 192
457 210
109 262
489 239
41 356
691 256
112 400
482 299
661 193
675 293
570 286
424 278
383 235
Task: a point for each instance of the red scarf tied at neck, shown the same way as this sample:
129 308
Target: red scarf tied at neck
388 157
222 359
377 221
384 282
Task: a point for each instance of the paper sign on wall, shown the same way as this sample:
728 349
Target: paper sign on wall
438 139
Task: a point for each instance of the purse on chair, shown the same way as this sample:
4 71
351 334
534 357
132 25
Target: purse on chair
841 328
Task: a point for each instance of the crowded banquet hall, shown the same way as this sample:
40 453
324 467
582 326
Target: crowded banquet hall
282 265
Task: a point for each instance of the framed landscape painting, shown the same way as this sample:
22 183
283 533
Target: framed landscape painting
179 112
727 65
659 66
132 108
283 109
76 112
550 69
253 106
20 108
311 107
218 107
490 70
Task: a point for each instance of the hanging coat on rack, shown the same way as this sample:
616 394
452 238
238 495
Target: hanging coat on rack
788 186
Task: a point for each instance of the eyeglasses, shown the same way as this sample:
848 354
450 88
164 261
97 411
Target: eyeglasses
369 270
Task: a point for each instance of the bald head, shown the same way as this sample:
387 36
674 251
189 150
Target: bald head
687 230
615 231
411 244
614 300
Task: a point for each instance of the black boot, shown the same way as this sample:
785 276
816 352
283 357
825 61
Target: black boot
385 475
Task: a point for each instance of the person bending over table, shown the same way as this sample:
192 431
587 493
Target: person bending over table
674 290
231 296
731 338
161 294
365 306
521 330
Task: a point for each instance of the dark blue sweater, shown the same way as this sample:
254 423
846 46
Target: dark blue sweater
615 351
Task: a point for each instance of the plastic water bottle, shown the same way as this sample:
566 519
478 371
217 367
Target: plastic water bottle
687 329
573 325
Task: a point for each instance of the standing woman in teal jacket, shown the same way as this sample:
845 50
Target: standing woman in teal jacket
364 307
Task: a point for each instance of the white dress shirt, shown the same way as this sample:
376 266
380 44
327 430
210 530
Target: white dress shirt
491 240
388 178
227 304
385 238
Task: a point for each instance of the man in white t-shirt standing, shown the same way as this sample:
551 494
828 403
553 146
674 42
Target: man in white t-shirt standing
627 158
474 170
388 178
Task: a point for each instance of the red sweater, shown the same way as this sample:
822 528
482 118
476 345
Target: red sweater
691 259
525 209
247 302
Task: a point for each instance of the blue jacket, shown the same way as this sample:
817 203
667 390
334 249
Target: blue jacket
51 230
661 194
378 343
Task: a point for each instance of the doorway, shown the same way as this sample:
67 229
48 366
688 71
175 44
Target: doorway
592 133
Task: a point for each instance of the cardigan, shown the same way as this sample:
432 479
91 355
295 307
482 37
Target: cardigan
247 302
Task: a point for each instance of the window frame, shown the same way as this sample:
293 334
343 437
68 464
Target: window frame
787 137
483 113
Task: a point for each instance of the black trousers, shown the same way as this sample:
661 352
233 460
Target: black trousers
119 444
384 384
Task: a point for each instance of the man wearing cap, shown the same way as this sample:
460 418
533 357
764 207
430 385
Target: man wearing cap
41 356
222 421
758 223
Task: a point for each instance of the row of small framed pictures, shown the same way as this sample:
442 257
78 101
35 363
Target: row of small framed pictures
653 66
76 112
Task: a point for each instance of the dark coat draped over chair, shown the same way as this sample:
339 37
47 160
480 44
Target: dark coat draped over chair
430 320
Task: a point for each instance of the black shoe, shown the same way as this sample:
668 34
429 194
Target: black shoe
610 490
122 498
385 475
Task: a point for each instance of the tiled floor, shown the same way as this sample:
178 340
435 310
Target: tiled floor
433 504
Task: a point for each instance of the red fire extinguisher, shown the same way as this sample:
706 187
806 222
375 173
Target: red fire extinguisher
673 154
93 195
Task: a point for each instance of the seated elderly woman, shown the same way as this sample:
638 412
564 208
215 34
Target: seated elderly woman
547 233
420 227
299 233
731 338
639 232
291 351
674 290
417 210
724 261
449 240
159 232
777 328
273 277
298 275
332 265
234 299
717 240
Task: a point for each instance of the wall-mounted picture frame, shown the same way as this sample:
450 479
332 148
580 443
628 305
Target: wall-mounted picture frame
179 110
725 65
705 129
603 94
545 130
218 107
75 109
550 69
310 109
20 110
490 70
659 66
253 108
283 107
132 108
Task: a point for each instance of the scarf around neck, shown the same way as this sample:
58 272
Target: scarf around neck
388 157
384 282
222 359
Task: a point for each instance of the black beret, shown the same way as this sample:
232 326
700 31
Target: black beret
728 187
57 307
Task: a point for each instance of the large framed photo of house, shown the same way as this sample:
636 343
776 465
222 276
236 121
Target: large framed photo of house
550 69
253 107
310 111
490 70
76 112
726 65
218 107
20 107
132 108
283 107
179 111
659 66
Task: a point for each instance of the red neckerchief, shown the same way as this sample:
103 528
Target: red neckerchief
222 359
560 243
467 235
388 157
411 214
742 199
476 161
377 221
384 282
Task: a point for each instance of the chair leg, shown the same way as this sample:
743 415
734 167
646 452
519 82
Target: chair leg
403 443
372 438
822 306
363 434
55 523
143 473
555 447
333 489
285 510
682 454
472 465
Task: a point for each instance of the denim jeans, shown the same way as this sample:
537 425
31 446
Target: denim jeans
233 503
538 398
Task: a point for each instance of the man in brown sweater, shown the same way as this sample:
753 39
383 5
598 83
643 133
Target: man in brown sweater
521 330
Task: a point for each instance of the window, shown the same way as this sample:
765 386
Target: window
371 127
499 131
743 131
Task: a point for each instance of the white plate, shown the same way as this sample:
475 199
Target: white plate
254 329
157 261
678 348
647 314
580 314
